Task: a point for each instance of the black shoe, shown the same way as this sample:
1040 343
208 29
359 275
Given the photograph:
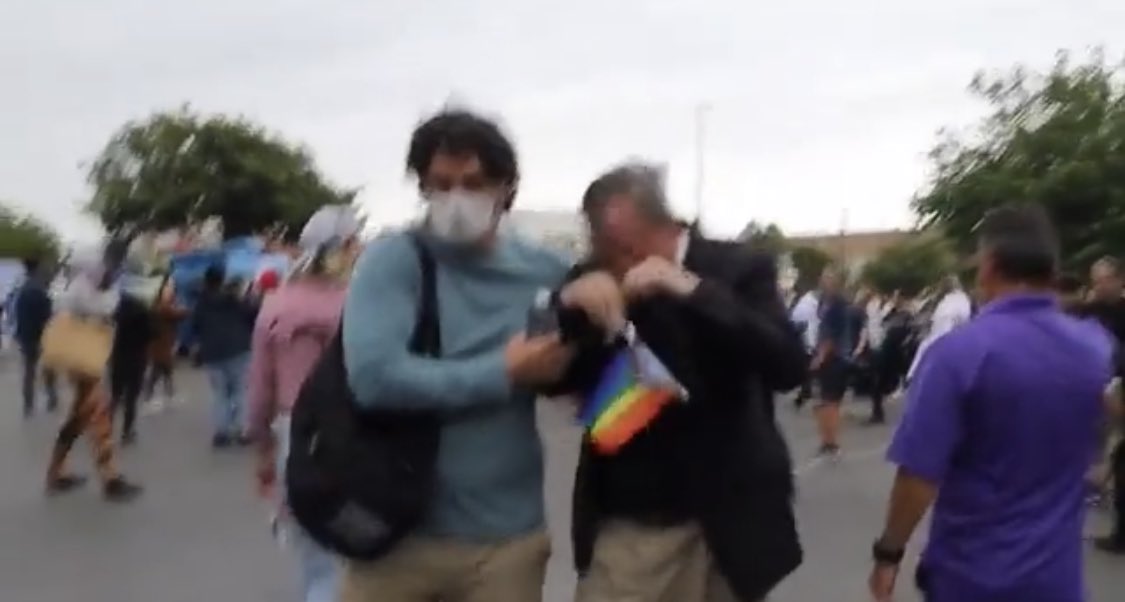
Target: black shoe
65 484
876 420
128 439
121 491
220 441
1111 545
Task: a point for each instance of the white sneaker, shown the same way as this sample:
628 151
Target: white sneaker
154 407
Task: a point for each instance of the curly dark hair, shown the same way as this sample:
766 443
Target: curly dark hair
460 132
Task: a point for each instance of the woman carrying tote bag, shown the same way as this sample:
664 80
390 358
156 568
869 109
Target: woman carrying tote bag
76 343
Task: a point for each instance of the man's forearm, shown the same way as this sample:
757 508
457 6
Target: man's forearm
911 497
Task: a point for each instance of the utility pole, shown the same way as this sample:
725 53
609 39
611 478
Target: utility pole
701 112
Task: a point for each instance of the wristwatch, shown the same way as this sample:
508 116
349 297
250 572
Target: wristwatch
884 554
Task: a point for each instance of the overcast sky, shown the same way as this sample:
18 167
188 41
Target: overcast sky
818 107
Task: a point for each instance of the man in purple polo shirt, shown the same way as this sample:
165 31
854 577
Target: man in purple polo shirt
999 429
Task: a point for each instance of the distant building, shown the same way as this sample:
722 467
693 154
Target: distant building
562 231
853 250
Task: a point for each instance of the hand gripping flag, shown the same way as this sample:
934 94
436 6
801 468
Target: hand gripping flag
633 389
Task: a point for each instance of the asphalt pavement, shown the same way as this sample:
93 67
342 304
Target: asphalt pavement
199 533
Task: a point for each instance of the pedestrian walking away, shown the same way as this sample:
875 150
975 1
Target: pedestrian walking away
89 297
166 317
128 361
33 309
296 323
222 323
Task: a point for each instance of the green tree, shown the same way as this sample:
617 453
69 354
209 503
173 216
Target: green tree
809 263
23 236
909 266
767 237
1056 139
177 168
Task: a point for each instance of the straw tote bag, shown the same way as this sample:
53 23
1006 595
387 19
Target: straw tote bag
74 345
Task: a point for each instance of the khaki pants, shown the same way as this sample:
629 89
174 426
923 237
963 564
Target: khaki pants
425 569
635 563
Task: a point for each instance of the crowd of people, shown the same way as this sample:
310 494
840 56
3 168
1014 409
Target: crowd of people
983 392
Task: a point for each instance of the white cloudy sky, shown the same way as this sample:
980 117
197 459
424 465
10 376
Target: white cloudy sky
818 106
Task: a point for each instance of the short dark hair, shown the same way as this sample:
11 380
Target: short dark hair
643 182
214 276
31 264
460 132
1021 242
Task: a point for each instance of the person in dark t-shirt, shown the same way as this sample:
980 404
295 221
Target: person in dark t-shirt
832 359
1108 307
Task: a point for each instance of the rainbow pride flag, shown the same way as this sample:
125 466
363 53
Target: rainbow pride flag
633 389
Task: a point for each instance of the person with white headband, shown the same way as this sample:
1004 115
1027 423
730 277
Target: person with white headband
295 324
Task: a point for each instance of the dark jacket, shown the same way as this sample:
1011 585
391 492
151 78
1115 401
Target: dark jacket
33 311
222 324
1111 314
133 332
720 456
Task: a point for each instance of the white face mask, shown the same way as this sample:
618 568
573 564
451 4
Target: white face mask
460 217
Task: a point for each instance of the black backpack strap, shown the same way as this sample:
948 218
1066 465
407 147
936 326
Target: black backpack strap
426 339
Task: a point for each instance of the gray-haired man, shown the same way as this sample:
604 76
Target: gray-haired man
649 525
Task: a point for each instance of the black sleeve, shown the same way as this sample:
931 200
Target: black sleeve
591 351
747 317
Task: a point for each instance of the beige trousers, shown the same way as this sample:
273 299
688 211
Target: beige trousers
425 569
635 563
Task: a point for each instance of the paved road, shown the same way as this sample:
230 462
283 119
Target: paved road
199 534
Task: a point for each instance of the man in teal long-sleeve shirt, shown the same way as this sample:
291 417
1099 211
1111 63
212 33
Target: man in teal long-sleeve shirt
485 537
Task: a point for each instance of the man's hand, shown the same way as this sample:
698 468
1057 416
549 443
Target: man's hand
535 361
658 275
600 297
882 582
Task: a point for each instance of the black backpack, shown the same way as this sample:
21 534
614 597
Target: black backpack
359 481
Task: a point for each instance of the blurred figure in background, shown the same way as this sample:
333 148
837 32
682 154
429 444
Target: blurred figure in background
832 359
128 361
166 318
33 308
296 322
89 296
870 349
222 323
1108 307
805 316
953 309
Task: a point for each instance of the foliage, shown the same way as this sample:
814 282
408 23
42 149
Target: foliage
178 168
1056 139
809 263
909 266
23 236
767 237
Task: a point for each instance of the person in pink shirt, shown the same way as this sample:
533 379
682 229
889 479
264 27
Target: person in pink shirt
295 324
